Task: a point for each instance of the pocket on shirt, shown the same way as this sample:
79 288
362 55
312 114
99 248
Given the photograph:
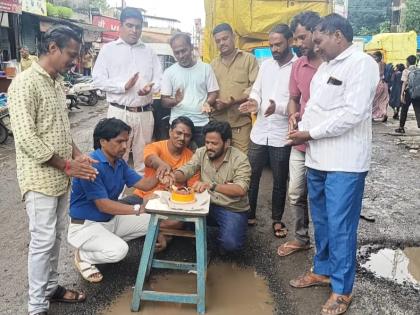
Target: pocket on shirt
331 97
241 78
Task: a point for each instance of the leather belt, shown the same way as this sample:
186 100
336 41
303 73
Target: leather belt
77 221
145 108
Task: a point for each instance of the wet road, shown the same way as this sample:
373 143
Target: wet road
392 197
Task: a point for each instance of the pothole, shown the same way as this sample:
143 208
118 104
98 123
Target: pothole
230 289
401 266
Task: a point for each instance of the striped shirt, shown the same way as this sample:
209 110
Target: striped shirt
338 115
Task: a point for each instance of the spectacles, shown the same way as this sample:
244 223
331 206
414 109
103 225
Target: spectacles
136 27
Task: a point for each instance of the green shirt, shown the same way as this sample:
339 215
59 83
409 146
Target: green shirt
235 80
41 128
235 169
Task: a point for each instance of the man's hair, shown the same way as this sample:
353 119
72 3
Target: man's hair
108 128
307 19
60 35
131 13
335 22
282 29
221 127
183 120
223 27
185 37
411 60
378 55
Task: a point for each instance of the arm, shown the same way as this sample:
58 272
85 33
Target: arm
114 207
188 170
358 96
101 77
166 91
252 75
157 74
256 90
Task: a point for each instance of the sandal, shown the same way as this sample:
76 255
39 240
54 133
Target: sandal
291 247
87 270
60 296
279 232
252 222
310 279
336 304
162 243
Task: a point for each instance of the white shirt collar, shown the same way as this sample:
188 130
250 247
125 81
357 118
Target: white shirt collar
346 53
120 41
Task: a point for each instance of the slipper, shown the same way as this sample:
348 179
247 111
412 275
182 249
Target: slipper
309 279
87 270
336 305
60 293
291 247
252 222
279 232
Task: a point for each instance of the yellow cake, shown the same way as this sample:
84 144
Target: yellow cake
183 195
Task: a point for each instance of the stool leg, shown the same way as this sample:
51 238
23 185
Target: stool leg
146 256
201 249
149 264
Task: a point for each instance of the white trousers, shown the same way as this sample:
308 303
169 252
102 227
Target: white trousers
141 134
105 242
47 219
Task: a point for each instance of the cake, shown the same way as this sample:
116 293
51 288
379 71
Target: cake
183 195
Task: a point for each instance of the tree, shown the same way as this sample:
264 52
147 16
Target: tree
412 20
366 16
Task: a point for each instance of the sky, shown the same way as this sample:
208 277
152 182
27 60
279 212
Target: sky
183 10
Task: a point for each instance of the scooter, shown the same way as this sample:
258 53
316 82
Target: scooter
4 124
80 92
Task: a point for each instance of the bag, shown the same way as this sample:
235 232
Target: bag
414 84
388 72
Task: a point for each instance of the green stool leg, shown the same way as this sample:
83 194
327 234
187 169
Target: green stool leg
201 252
149 264
146 257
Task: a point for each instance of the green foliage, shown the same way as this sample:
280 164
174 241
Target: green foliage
100 4
58 11
385 27
52 10
366 16
412 18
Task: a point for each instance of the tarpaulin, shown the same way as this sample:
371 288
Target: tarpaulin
253 19
395 47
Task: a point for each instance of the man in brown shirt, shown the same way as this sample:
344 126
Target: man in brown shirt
235 71
225 172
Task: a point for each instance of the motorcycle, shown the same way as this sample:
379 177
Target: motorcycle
80 88
4 124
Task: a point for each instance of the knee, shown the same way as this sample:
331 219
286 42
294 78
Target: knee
231 243
117 252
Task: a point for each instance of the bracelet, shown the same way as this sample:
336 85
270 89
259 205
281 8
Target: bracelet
67 167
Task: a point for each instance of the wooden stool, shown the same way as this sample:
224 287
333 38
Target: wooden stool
147 261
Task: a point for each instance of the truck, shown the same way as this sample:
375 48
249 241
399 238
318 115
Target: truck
253 19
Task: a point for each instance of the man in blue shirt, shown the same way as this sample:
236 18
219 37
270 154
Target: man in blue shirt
100 223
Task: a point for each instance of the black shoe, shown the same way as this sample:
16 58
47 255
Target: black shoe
396 116
400 130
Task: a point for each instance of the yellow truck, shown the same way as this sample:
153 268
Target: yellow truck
253 19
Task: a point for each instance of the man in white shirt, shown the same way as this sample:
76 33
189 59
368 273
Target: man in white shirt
189 87
337 125
130 73
269 97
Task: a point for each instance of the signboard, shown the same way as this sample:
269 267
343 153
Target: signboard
111 25
38 7
12 6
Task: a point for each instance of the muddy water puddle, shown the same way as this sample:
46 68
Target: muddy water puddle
400 266
230 289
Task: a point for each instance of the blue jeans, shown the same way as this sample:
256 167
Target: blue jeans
335 200
232 227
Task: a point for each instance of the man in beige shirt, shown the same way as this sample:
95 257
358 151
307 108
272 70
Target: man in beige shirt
46 158
26 59
225 173
236 71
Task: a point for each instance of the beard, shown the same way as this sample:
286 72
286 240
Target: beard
281 56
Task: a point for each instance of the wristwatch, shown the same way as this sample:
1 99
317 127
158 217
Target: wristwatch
213 187
136 209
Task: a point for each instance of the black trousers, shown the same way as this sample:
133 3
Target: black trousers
406 106
278 159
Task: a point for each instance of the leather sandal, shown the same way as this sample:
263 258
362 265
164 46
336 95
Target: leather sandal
60 296
309 279
336 304
291 247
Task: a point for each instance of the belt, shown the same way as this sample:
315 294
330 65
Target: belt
77 221
137 109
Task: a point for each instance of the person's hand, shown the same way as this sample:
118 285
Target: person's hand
296 137
84 158
130 83
163 170
146 200
293 121
179 96
81 170
146 89
200 187
219 105
206 108
168 180
270 109
250 106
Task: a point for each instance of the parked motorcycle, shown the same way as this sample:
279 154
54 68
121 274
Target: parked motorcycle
4 124
79 89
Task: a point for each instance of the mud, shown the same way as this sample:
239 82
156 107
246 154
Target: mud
230 290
